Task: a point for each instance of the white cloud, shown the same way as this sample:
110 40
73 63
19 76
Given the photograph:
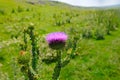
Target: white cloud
91 2
111 2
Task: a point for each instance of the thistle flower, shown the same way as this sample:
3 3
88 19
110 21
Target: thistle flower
56 40
22 53
23 58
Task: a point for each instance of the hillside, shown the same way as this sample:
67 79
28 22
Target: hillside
94 34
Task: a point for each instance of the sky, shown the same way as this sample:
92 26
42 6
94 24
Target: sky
91 3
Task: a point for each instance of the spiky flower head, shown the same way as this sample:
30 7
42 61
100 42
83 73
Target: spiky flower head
56 40
23 58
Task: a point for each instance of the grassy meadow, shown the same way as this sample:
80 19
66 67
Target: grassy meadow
97 53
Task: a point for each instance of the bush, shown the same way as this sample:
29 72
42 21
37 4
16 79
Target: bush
2 12
13 11
99 33
87 33
20 9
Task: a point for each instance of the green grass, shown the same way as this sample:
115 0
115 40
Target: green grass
95 60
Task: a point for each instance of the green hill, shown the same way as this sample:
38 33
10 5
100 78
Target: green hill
97 56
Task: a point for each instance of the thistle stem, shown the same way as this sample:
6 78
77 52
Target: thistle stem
25 40
57 68
34 48
31 74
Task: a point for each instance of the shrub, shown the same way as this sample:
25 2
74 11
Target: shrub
2 11
20 9
99 33
13 11
87 33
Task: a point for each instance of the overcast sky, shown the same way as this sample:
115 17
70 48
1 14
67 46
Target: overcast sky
91 2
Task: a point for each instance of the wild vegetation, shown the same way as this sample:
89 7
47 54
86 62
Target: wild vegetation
92 50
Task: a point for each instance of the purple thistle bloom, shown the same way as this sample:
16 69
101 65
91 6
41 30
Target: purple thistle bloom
56 40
